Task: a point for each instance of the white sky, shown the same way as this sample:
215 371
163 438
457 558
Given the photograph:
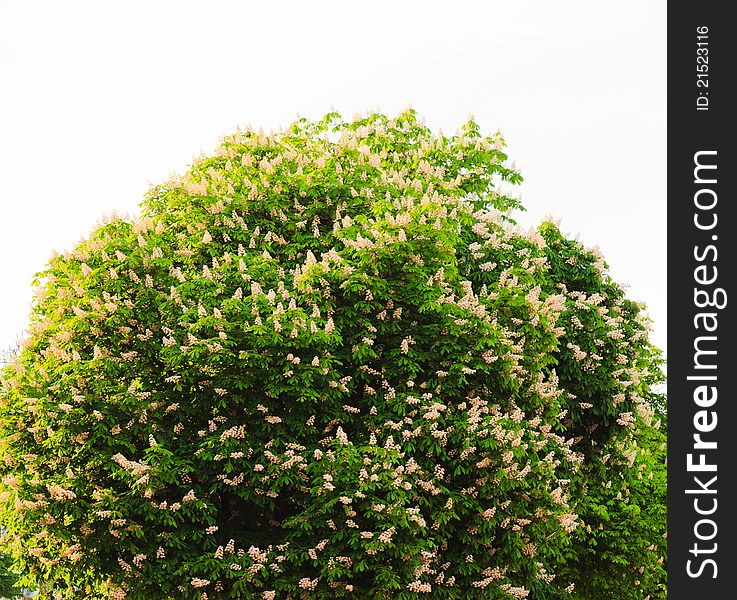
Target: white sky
99 98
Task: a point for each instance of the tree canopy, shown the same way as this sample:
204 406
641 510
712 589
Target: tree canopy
325 362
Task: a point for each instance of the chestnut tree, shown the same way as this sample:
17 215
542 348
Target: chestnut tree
326 363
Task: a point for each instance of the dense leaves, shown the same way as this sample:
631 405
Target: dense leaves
8 579
325 363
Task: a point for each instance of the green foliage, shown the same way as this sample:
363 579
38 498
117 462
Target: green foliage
620 553
324 363
8 579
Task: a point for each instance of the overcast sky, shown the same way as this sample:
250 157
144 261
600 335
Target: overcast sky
99 98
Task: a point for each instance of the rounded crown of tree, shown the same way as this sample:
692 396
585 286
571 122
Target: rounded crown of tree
324 362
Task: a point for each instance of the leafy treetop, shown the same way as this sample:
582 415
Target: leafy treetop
322 363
